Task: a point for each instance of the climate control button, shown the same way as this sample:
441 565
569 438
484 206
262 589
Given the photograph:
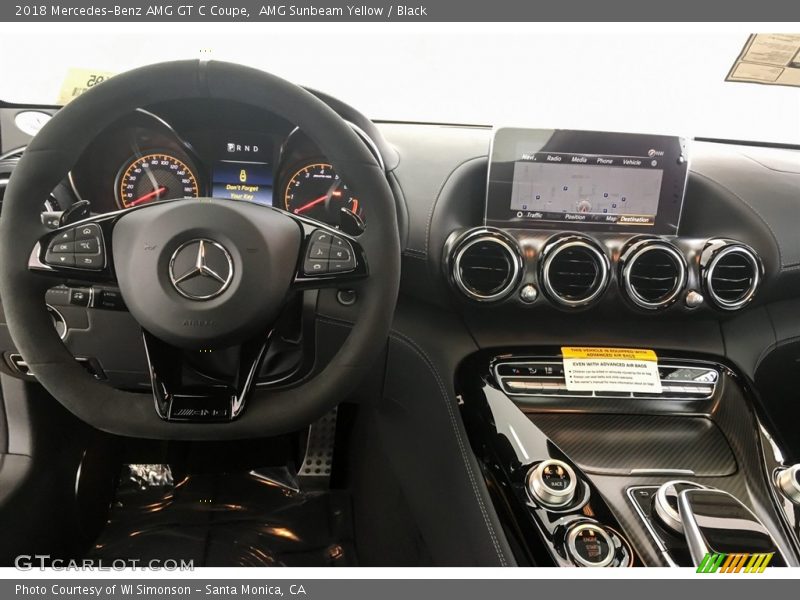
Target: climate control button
552 483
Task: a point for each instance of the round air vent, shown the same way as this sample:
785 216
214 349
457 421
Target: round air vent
731 273
574 272
486 265
653 273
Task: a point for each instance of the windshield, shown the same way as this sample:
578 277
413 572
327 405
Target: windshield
628 80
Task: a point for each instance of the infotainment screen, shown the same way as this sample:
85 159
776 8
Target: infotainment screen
545 178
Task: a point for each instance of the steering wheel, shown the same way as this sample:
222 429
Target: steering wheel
197 274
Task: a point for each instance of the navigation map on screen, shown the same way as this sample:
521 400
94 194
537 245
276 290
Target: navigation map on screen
548 191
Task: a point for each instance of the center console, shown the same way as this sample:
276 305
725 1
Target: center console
640 457
627 479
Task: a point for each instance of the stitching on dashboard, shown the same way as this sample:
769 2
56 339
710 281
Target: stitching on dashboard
415 254
439 195
429 363
334 321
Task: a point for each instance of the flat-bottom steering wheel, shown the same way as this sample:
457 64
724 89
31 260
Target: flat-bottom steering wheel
208 273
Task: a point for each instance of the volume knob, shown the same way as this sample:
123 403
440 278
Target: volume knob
552 483
789 483
665 503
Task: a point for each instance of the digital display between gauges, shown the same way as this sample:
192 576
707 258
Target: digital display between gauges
153 177
243 169
316 191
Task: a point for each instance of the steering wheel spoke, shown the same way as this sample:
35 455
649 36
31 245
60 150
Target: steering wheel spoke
179 400
328 257
79 251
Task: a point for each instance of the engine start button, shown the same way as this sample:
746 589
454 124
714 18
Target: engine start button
590 545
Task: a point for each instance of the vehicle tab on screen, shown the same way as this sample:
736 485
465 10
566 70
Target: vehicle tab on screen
561 179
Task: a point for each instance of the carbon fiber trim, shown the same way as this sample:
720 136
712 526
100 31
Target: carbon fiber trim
623 446
640 444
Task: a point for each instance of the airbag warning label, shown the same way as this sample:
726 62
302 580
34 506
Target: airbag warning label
611 370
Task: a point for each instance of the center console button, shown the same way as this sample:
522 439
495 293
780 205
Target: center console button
590 545
665 503
552 483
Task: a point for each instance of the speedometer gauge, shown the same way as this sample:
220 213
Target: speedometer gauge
316 191
155 177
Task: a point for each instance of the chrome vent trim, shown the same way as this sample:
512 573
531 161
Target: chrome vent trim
569 262
732 274
653 274
465 265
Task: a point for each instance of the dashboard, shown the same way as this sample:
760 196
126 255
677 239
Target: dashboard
169 151
515 242
709 244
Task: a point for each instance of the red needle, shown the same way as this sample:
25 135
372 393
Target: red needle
150 196
311 204
316 201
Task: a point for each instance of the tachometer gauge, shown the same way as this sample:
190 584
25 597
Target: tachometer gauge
316 191
155 177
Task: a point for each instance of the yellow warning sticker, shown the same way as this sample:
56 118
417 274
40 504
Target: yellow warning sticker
611 370
78 81
614 353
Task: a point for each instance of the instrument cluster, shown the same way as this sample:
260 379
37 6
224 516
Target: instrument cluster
239 153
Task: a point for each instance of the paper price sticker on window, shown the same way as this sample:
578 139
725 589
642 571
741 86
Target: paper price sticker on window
611 370
78 81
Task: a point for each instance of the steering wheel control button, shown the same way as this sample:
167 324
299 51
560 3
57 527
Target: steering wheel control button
552 483
89 261
665 504
85 232
108 299
315 267
65 236
63 248
80 247
321 237
79 296
590 545
87 246
201 269
319 251
342 255
61 260
789 483
328 253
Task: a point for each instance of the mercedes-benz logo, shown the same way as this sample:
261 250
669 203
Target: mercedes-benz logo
201 269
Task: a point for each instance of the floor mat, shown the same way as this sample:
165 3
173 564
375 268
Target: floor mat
258 518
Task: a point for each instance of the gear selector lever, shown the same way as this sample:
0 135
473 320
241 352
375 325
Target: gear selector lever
716 522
